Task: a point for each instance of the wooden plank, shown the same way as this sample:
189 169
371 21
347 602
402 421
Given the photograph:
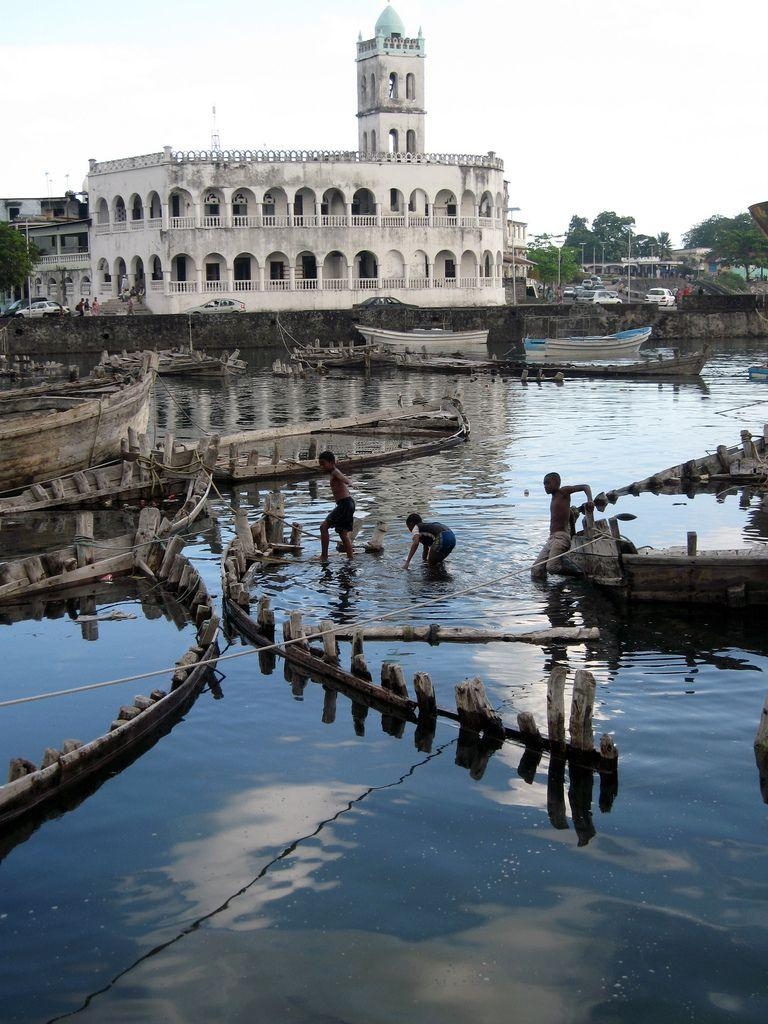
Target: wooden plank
84 538
582 706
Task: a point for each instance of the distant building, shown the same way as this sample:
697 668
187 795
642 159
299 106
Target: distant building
310 229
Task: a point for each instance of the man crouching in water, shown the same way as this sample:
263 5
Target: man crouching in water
559 540
341 518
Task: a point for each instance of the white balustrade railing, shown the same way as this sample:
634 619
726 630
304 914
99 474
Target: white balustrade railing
418 220
275 220
469 222
155 286
392 220
210 221
182 287
215 286
365 284
305 220
278 286
335 284
155 222
445 222
364 220
444 282
102 229
182 222
393 282
468 282
246 286
68 258
418 282
120 225
333 220
137 225
241 220
306 284
485 222
487 282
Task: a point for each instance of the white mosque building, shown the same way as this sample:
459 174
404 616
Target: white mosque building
309 229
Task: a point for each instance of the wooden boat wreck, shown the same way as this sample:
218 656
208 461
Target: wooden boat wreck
736 578
320 662
745 464
58 429
620 345
400 434
171 474
435 339
179 363
65 775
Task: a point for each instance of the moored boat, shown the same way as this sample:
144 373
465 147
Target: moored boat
435 339
620 345
57 429
758 373
187 362
737 578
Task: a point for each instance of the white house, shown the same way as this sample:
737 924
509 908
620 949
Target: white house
310 229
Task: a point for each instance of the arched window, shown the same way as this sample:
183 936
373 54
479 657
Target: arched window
365 142
410 141
364 89
373 143
393 85
410 86
373 88
393 141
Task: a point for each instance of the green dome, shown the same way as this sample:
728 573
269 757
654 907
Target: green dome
389 23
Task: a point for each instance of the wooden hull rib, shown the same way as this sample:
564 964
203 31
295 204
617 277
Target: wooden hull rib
41 437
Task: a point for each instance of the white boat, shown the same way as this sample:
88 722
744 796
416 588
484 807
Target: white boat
623 344
435 339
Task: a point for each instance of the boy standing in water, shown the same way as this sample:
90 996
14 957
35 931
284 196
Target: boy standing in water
341 518
559 540
437 539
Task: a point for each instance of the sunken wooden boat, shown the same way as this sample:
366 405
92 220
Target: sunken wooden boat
403 433
255 545
735 578
55 429
745 464
185 362
76 769
171 474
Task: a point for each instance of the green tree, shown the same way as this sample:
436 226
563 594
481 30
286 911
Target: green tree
705 234
664 244
611 231
579 234
547 256
17 259
741 244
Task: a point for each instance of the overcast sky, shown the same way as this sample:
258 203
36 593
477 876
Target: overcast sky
655 110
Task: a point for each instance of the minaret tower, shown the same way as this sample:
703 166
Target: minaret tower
390 88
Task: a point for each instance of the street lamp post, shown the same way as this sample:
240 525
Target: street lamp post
582 255
602 262
513 209
629 264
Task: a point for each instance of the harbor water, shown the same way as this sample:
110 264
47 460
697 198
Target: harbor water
280 856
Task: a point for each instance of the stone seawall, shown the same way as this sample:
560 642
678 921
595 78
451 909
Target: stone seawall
706 317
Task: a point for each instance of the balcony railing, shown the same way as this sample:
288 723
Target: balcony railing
392 220
81 259
212 221
182 222
215 286
183 287
241 220
365 284
306 284
418 220
155 222
272 220
246 286
363 220
278 286
156 286
335 284
325 220
445 222
120 225
305 220
334 220
137 225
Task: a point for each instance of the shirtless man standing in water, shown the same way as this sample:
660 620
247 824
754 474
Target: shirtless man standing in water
559 524
340 518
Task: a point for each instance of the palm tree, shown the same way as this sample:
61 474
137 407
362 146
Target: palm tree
665 245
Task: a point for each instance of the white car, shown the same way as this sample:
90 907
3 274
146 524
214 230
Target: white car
220 306
41 307
601 296
660 296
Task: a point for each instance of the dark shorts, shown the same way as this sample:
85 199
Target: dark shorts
441 547
342 517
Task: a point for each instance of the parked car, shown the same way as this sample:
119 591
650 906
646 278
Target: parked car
584 293
661 296
569 292
601 296
37 308
377 301
219 306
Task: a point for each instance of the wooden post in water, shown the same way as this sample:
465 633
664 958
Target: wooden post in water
330 647
761 750
474 710
243 531
691 543
556 706
376 544
556 793
84 538
582 706
274 516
